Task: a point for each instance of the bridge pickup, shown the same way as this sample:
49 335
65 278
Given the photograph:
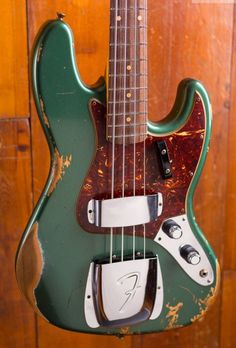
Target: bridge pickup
125 211
164 159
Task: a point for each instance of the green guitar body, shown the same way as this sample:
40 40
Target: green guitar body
55 252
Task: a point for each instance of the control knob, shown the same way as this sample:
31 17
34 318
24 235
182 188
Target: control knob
172 229
190 254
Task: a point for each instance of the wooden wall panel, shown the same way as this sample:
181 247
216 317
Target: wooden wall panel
230 235
17 321
179 50
228 332
50 336
13 60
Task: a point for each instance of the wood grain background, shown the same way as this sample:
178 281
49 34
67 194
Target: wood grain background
187 39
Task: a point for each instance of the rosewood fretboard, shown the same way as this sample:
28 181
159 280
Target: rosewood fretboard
127 82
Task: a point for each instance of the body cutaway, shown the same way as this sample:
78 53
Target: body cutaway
59 244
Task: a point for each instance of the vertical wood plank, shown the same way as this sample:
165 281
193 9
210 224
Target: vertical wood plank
230 236
50 336
17 325
228 333
195 40
14 99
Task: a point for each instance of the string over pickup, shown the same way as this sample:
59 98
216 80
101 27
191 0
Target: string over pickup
125 211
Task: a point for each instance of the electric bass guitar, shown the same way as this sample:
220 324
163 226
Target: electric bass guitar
112 246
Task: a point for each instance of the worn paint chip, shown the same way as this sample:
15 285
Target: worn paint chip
173 315
45 118
60 164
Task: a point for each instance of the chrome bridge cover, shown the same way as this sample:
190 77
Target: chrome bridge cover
123 293
125 211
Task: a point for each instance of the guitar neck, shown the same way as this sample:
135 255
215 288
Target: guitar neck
127 83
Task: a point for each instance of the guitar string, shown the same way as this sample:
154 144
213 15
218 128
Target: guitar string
124 119
145 109
135 111
113 122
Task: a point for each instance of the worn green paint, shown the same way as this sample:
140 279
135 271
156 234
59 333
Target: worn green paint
67 249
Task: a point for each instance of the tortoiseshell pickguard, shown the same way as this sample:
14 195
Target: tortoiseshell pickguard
184 148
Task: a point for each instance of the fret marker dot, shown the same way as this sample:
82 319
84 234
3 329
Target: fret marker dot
139 18
128 67
128 95
118 18
128 119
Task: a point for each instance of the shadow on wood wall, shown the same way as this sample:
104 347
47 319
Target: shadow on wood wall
186 39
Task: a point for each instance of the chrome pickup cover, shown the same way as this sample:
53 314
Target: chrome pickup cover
125 211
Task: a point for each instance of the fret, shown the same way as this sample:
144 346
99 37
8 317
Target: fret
134 95
128 44
131 8
127 101
127 75
129 114
129 107
130 60
131 81
137 88
127 125
128 27
128 135
126 132
130 53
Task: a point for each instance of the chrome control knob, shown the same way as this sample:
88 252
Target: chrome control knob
190 254
172 229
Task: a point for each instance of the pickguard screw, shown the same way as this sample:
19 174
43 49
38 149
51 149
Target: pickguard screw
163 152
191 173
201 136
167 171
203 273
